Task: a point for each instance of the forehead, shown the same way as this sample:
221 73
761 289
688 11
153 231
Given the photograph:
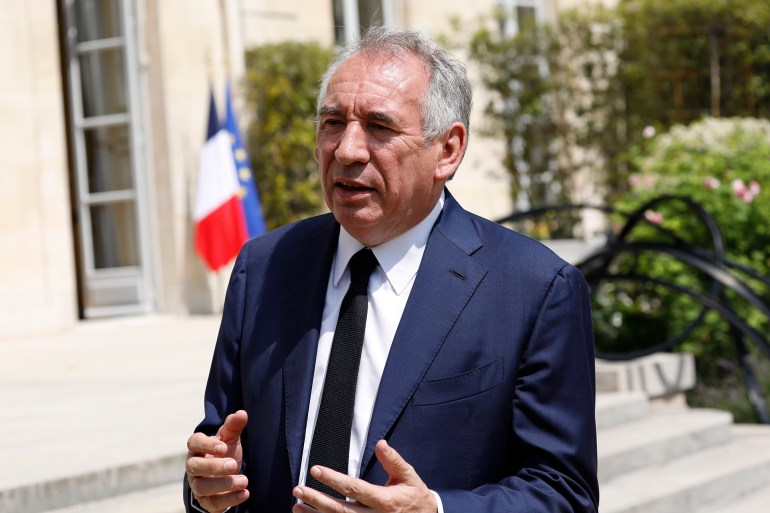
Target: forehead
377 80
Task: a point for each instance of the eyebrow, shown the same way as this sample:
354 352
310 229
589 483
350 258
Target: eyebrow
382 116
376 115
328 111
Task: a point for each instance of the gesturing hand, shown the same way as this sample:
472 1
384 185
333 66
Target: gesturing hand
213 463
403 493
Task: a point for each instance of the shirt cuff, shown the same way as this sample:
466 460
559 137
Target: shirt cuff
439 504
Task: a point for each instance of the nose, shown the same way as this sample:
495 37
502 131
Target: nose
353 146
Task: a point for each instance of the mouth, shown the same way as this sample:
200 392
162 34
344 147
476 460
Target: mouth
352 186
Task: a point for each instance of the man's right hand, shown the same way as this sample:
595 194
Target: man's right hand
213 466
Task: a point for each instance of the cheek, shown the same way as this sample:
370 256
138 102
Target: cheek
325 162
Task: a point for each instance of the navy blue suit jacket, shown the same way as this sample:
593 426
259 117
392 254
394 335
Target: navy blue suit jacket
488 390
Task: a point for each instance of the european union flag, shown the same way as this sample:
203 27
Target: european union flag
249 196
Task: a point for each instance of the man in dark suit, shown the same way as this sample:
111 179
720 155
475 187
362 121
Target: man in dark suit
475 387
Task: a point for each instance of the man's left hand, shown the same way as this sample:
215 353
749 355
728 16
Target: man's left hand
403 493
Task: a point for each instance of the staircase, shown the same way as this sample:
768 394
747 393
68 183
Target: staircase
656 455
659 456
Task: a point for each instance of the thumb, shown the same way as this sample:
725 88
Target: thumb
397 468
234 425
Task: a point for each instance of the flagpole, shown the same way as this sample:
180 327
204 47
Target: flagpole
223 273
225 38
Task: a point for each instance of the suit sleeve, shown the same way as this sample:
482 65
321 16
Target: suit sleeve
554 427
223 389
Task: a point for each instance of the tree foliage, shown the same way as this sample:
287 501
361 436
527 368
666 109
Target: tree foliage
281 87
578 95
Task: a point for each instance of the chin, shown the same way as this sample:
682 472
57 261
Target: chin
355 223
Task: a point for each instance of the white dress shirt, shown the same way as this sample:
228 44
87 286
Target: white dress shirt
389 288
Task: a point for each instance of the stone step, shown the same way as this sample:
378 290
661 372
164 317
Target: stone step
657 375
163 499
614 408
105 482
659 437
754 502
693 482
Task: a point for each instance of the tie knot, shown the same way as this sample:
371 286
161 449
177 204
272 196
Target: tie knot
361 266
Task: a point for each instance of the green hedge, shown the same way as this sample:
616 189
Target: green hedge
281 86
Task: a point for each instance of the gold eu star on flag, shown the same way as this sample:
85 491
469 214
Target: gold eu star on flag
244 173
240 154
242 192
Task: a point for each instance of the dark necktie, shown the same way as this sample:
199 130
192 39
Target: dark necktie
331 439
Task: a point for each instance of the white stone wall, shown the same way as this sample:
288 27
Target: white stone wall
37 269
188 50
271 21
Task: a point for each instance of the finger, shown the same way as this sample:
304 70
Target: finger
315 500
206 486
196 466
199 444
301 508
305 508
397 468
221 502
234 425
356 489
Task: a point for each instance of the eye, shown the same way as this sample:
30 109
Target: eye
332 123
378 127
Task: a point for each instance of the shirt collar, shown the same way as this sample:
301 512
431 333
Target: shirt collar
399 257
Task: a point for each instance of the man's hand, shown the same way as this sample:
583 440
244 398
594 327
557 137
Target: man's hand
213 463
403 493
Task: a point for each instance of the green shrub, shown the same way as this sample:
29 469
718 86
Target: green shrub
723 165
281 86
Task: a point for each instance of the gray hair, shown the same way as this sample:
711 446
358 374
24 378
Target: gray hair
448 98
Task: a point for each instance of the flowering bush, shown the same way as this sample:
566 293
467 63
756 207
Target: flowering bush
724 165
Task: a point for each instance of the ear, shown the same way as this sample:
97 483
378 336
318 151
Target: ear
315 154
453 145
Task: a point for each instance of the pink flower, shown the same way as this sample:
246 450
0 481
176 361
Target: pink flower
746 194
653 217
711 183
649 180
648 132
642 180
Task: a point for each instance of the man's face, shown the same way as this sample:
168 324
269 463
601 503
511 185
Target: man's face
379 177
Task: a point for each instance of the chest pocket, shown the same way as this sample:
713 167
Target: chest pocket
460 386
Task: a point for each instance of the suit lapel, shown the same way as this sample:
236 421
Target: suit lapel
306 274
446 280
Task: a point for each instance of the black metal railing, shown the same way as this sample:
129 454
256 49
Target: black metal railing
724 281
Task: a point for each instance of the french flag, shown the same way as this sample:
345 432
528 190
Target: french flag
221 226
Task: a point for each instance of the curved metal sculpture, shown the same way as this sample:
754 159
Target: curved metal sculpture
722 275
